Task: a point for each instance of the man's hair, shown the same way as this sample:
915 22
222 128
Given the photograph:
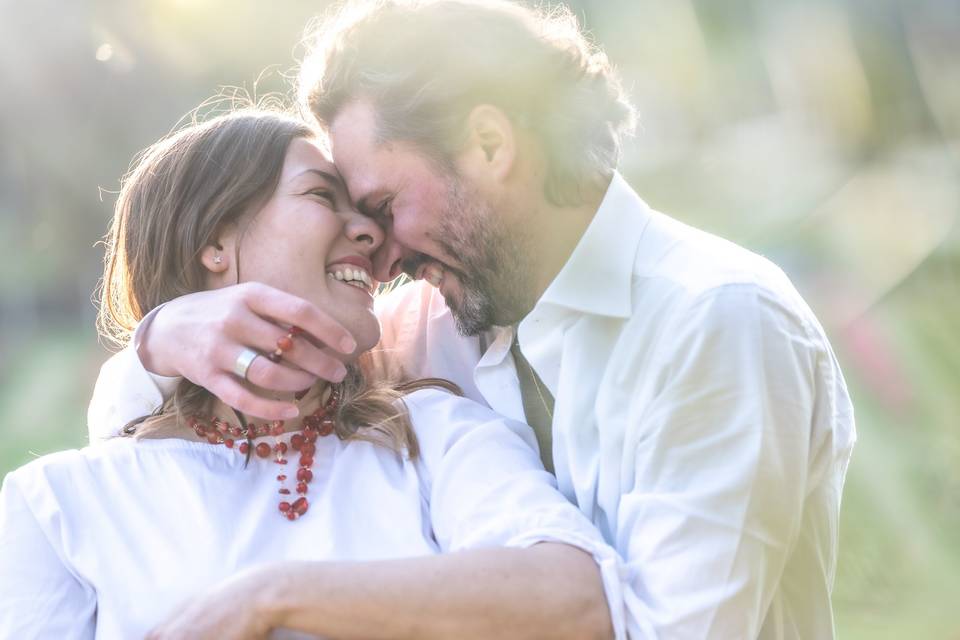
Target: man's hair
425 64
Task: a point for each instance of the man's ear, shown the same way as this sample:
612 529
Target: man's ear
490 149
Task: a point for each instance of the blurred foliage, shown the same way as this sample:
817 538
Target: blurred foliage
824 134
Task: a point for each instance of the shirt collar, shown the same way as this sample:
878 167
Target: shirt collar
598 276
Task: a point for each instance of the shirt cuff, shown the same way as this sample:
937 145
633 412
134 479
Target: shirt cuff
612 570
165 384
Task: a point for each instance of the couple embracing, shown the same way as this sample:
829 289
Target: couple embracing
583 418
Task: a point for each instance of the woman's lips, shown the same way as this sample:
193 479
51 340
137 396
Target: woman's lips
354 260
352 276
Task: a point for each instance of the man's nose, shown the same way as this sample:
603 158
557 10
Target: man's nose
387 260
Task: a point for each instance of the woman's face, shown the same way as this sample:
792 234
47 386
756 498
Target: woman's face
308 240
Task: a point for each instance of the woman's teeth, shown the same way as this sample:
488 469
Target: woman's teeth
353 276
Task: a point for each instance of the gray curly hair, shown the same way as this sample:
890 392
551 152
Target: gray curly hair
424 65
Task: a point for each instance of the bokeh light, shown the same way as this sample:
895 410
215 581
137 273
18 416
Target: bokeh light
825 135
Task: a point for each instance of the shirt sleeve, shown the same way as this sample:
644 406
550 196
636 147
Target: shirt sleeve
124 391
39 596
487 487
721 471
419 339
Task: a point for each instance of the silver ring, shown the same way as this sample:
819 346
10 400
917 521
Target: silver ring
243 362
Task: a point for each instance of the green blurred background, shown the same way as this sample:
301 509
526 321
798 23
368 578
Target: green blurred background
825 135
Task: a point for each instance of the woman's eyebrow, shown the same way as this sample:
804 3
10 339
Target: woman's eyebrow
332 178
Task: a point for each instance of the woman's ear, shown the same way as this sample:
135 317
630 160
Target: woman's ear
218 257
214 258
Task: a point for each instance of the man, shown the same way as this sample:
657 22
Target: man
682 392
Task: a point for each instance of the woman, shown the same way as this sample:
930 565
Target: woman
111 540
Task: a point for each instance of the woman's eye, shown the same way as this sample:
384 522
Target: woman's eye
326 194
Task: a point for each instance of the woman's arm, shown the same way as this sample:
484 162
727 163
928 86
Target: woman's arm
39 596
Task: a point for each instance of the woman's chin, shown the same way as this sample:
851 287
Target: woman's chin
365 331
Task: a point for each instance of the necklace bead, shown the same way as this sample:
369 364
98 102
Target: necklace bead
319 423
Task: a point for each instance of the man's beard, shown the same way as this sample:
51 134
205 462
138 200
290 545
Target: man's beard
495 274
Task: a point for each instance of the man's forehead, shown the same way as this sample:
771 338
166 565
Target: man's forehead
354 127
362 189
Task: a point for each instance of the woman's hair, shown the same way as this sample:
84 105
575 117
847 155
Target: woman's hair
425 64
179 193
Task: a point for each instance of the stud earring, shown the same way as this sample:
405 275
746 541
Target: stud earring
217 259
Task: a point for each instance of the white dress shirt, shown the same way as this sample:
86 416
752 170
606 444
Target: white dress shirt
107 541
701 420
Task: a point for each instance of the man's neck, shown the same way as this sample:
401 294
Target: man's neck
565 227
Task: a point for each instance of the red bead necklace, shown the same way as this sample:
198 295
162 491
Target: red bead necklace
319 423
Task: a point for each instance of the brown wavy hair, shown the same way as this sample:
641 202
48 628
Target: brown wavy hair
178 194
425 64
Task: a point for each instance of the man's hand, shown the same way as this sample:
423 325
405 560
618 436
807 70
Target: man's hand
200 335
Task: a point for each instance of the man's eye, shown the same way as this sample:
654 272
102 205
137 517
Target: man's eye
382 213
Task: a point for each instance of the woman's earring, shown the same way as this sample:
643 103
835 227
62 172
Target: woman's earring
217 259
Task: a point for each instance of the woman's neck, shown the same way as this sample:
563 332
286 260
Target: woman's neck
174 427
308 403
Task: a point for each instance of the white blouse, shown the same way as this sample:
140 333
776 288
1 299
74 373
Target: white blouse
107 541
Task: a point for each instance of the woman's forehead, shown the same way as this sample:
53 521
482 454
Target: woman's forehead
308 153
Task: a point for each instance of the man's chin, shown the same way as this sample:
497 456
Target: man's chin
474 312
470 314
471 331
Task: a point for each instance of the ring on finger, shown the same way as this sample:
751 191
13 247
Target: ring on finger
284 343
242 364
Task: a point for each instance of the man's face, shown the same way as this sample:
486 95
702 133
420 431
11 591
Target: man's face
437 226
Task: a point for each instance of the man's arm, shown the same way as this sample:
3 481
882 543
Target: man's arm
520 561
548 590
726 456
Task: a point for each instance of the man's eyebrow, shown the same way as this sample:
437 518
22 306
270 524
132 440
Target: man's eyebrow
364 204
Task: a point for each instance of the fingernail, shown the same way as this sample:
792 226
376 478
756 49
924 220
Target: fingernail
291 412
347 345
